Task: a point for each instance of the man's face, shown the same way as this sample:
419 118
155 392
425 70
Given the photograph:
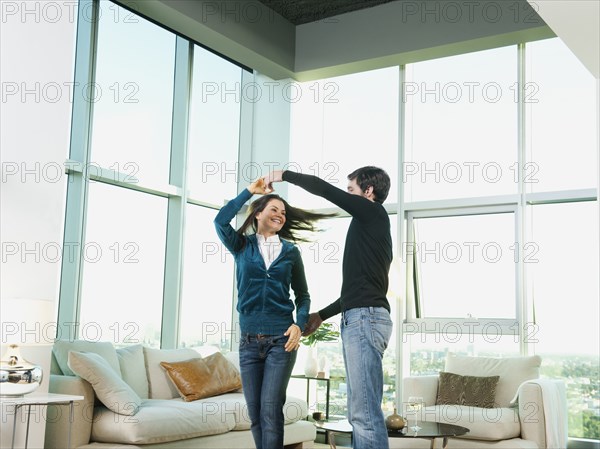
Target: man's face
354 188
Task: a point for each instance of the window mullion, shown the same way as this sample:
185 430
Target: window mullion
77 188
173 275
522 303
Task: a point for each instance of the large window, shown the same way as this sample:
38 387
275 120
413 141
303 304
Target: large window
125 230
343 123
322 262
461 126
213 169
322 259
563 279
206 315
152 269
133 96
353 122
462 243
457 258
520 275
206 309
124 253
561 119
565 291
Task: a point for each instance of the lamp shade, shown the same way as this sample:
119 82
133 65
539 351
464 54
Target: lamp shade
27 321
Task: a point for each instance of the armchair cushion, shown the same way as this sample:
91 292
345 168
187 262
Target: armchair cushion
467 390
492 424
513 371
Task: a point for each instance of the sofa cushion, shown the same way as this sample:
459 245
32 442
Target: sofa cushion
203 378
54 367
492 424
110 389
133 369
159 384
160 421
467 390
105 349
294 409
513 371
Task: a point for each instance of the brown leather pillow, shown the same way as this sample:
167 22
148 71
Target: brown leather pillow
467 390
202 378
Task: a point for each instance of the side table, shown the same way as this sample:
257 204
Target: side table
42 399
327 380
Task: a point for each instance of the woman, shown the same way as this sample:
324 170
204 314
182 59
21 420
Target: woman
267 264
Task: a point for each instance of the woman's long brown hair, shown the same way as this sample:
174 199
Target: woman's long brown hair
296 220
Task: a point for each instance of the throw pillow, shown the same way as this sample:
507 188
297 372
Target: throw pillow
202 378
160 386
133 369
110 389
234 358
61 349
513 371
467 390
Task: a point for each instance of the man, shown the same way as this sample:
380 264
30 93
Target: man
366 324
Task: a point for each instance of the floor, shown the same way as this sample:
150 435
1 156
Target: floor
341 441
326 446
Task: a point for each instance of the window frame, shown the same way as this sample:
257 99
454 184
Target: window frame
414 301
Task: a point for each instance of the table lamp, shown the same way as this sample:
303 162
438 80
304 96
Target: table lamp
24 325
18 377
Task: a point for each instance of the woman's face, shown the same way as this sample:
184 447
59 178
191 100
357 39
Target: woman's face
272 218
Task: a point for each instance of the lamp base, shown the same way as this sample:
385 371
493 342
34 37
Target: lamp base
15 390
17 376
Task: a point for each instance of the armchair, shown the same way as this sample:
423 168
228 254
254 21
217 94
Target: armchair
528 412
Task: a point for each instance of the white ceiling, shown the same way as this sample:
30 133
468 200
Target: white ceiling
577 23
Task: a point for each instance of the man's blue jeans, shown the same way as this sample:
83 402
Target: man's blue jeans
366 332
266 369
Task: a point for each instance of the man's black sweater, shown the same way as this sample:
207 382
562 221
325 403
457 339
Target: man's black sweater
368 249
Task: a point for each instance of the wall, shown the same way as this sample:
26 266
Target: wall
577 23
37 72
271 126
36 68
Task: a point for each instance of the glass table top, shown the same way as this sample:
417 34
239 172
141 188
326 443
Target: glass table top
427 429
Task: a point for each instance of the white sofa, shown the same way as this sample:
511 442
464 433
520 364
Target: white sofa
528 412
162 418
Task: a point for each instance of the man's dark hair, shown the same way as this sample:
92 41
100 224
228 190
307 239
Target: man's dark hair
375 177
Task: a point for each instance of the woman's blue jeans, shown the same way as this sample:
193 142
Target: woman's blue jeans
266 369
366 332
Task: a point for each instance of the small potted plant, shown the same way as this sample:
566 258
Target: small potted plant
326 332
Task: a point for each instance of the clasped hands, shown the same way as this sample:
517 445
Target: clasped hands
264 185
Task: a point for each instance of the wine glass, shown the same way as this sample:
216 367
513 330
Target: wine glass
413 406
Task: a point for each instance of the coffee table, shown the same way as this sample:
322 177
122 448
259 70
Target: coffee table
429 430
